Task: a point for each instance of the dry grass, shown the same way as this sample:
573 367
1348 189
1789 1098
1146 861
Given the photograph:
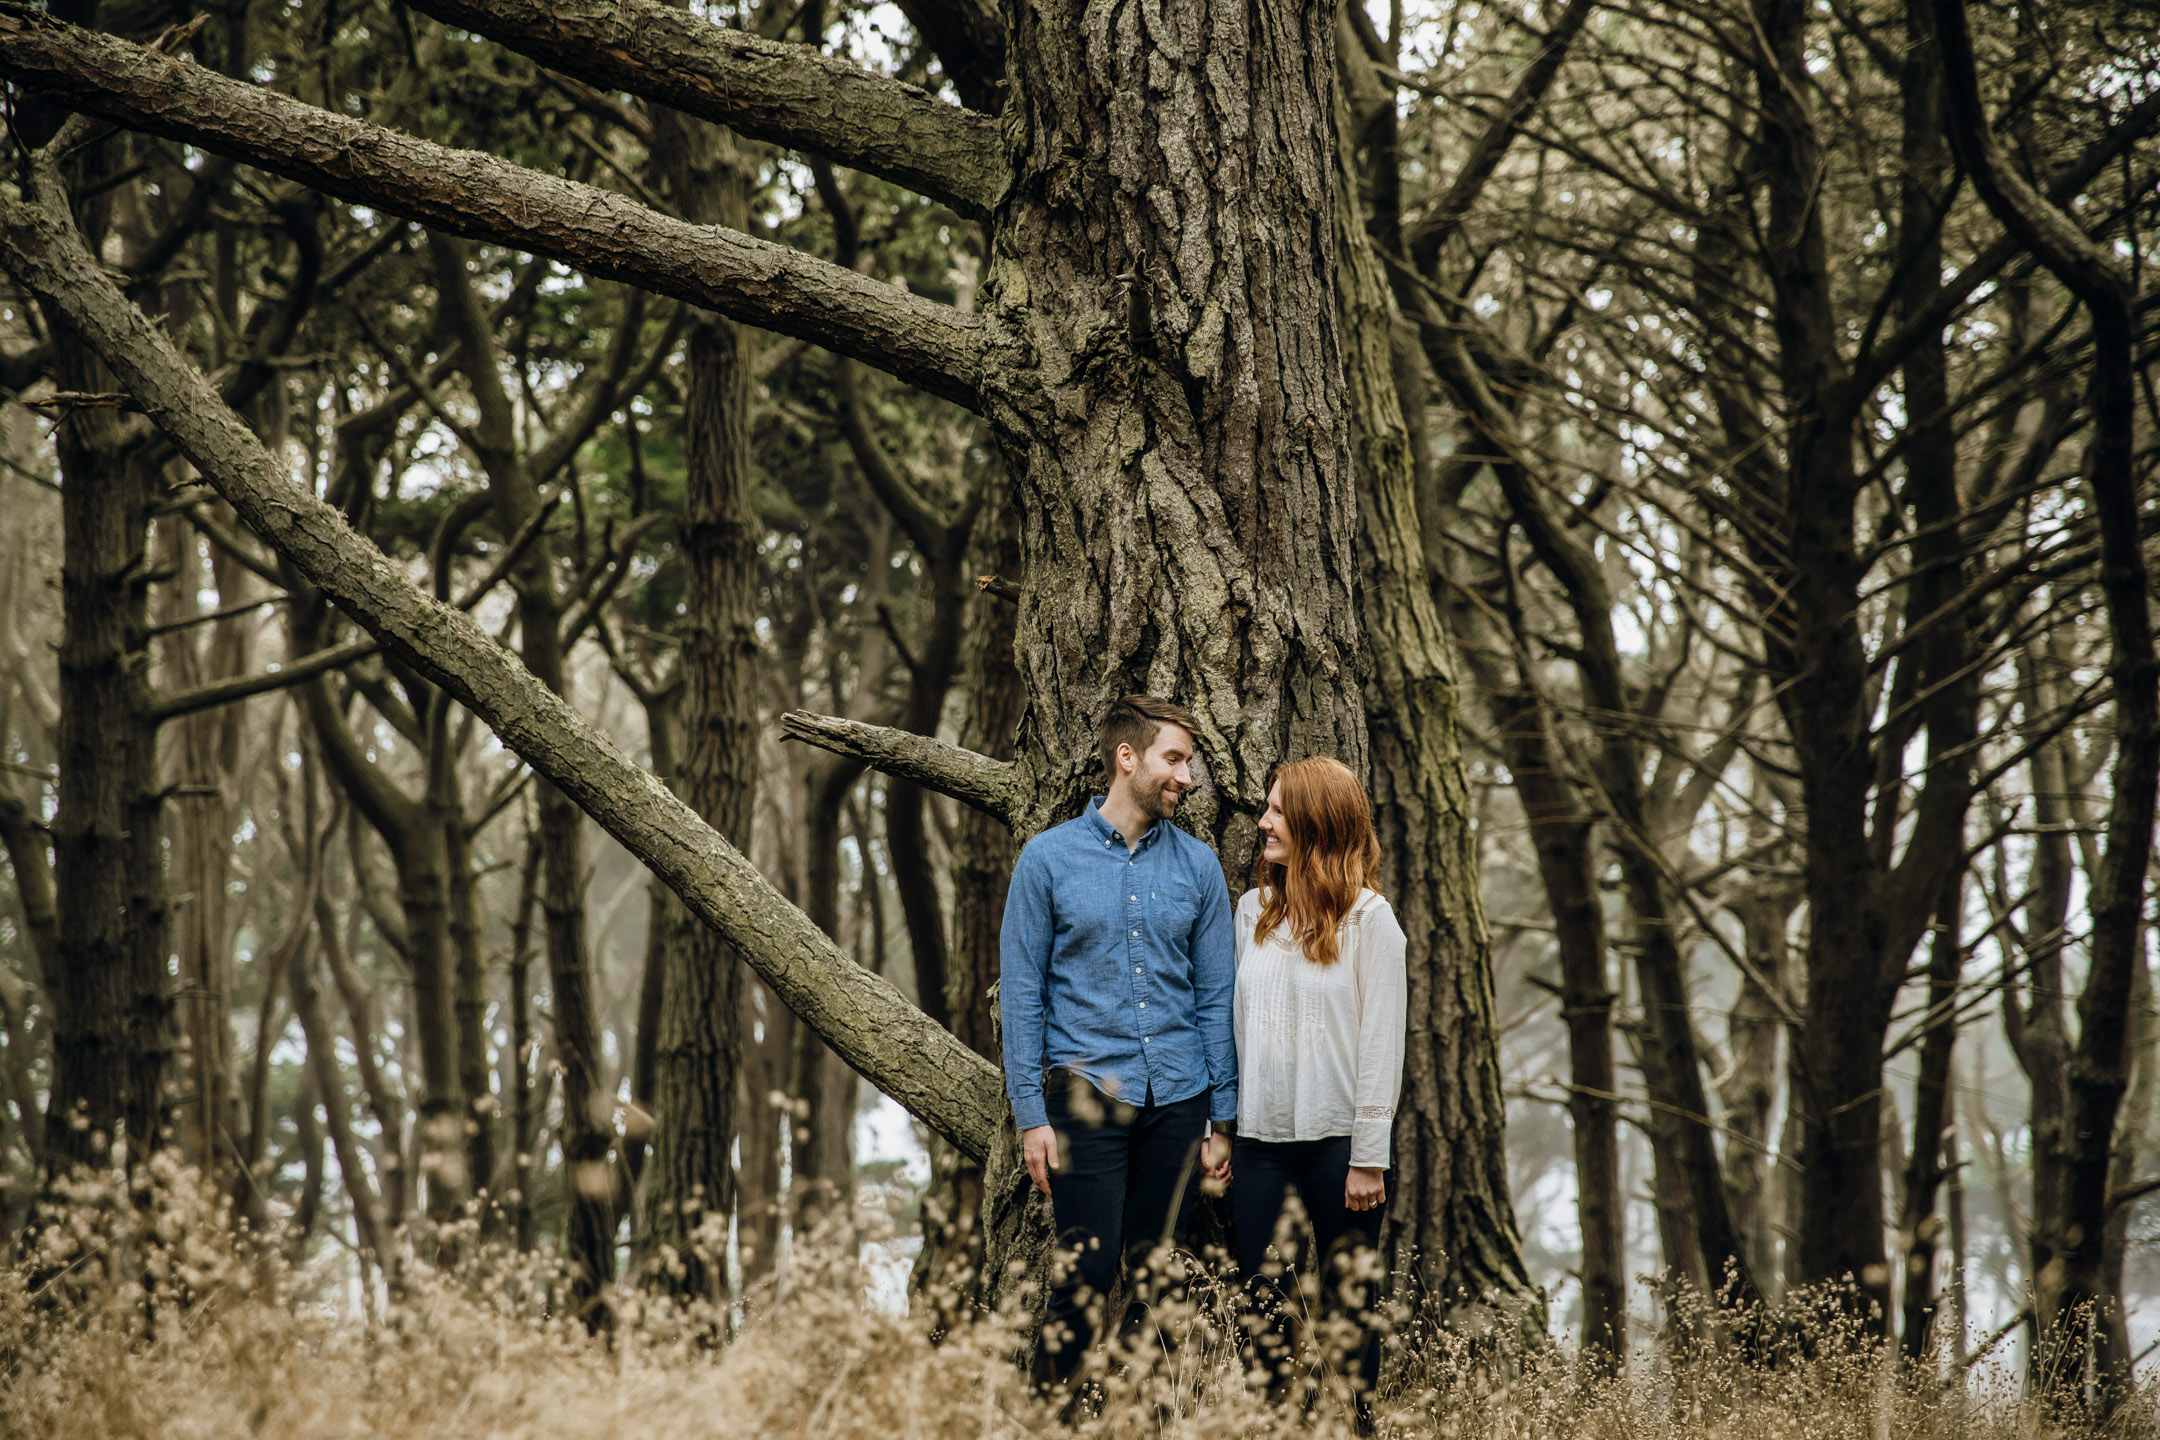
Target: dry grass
207 1337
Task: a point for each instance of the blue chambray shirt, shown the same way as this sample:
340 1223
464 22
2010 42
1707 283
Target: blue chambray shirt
1118 965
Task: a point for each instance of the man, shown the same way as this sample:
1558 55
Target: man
1115 974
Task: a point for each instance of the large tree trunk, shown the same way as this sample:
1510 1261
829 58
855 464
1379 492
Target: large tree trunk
700 1049
1162 285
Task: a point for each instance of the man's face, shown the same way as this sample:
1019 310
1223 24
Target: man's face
1163 774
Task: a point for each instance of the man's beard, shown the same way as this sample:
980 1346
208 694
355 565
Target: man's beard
1156 801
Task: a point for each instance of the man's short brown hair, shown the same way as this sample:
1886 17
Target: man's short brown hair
1136 720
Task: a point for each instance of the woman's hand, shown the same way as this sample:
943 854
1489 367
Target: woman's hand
1365 1189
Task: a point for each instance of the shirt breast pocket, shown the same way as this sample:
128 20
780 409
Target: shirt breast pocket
1173 904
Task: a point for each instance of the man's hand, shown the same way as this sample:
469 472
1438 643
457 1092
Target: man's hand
1039 1147
1365 1189
1215 1158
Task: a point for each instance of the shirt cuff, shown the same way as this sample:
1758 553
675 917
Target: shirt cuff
1222 1105
1030 1113
1371 1142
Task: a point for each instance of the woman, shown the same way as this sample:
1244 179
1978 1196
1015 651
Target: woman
1320 1015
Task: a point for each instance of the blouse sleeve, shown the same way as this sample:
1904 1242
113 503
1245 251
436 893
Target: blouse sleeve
1383 1005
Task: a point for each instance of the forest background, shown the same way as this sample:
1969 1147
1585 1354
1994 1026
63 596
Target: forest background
1725 552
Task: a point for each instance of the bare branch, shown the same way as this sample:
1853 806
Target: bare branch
243 687
972 779
929 345
1491 146
789 94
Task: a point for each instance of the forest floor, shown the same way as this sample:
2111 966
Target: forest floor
207 1336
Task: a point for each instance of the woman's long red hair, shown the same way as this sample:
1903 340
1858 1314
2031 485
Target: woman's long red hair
1327 823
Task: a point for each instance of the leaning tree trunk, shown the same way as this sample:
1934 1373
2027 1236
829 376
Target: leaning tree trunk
700 1049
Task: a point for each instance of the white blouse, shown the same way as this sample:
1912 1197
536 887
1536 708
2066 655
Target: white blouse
1320 1047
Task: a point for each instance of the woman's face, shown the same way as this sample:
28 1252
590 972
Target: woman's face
1274 830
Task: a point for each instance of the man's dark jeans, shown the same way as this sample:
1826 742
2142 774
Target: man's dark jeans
1124 1182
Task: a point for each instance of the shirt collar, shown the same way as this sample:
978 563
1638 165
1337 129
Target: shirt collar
1110 834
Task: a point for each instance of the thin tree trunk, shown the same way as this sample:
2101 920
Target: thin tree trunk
1918 1225
1954 1340
588 1127
2131 1126
1560 834
322 1065
419 855
1749 1092
949 1266
478 1110
382 1102
768 1028
202 759
524 1114
692 1194
308 1140
663 918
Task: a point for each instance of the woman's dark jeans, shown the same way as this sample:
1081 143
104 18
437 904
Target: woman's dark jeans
1263 1175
